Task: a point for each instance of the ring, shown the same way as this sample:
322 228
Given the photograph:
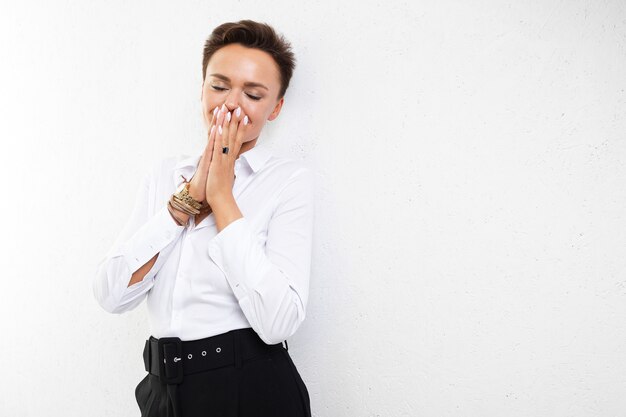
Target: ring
225 149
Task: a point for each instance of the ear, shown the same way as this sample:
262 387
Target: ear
276 110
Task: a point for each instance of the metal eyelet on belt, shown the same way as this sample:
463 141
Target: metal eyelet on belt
189 356
204 353
218 350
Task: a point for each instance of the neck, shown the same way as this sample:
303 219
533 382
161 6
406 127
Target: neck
246 146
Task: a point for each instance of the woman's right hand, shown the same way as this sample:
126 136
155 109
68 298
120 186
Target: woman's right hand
197 186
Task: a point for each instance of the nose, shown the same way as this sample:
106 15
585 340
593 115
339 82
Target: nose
231 101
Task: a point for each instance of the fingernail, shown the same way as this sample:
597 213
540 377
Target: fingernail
238 111
245 120
228 116
212 129
219 129
215 111
223 109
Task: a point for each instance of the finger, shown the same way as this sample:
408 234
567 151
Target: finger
217 148
237 115
212 141
209 148
227 129
206 154
213 118
211 124
221 115
242 129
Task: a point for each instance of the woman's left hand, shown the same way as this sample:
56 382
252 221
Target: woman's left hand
222 169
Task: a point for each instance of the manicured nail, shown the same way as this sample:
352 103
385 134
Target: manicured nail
245 120
219 129
238 111
228 116
212 129
223 109
215 111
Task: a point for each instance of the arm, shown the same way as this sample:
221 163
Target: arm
271 283
126 273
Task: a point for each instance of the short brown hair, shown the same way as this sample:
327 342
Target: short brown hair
253 35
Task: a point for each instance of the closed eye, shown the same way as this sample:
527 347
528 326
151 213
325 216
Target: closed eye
249 95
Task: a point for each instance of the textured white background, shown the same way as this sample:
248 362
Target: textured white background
469 249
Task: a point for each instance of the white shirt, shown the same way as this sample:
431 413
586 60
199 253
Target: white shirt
253 273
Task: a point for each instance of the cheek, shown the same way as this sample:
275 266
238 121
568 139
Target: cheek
209 101
209 106
257 116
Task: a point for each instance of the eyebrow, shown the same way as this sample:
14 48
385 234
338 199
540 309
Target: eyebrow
247 83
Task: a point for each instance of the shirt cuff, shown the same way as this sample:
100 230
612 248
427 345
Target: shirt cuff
151 238
240 256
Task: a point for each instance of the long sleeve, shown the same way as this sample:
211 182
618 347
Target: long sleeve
147 232
271 283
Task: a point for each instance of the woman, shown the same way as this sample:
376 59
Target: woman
220 246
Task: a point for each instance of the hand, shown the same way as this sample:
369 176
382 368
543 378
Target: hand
197 186
229 133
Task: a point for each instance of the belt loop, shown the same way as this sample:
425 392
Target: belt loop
170 352
146 355
237 349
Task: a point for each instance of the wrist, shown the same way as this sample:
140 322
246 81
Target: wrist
194 194
180 217
183 201
220 198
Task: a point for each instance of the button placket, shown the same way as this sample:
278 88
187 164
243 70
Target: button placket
179 287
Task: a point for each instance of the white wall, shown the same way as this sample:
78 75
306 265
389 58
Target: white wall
469 256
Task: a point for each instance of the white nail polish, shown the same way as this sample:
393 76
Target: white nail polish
228 116
212 129
215 111
219 129
245 120
238 111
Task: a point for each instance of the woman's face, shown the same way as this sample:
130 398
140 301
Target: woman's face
246 77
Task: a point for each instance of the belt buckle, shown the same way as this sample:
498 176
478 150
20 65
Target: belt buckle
175 359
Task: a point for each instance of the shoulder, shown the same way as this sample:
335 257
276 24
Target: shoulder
293 178
289 168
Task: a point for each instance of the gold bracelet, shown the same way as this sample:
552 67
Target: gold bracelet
176 219
182 194
186 203
183 207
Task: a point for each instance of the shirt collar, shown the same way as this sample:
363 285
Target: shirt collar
255 158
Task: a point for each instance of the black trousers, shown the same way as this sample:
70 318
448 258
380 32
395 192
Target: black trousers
266 385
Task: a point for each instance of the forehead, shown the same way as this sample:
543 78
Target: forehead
238 62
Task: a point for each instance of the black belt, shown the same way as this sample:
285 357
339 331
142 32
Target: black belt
170 358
